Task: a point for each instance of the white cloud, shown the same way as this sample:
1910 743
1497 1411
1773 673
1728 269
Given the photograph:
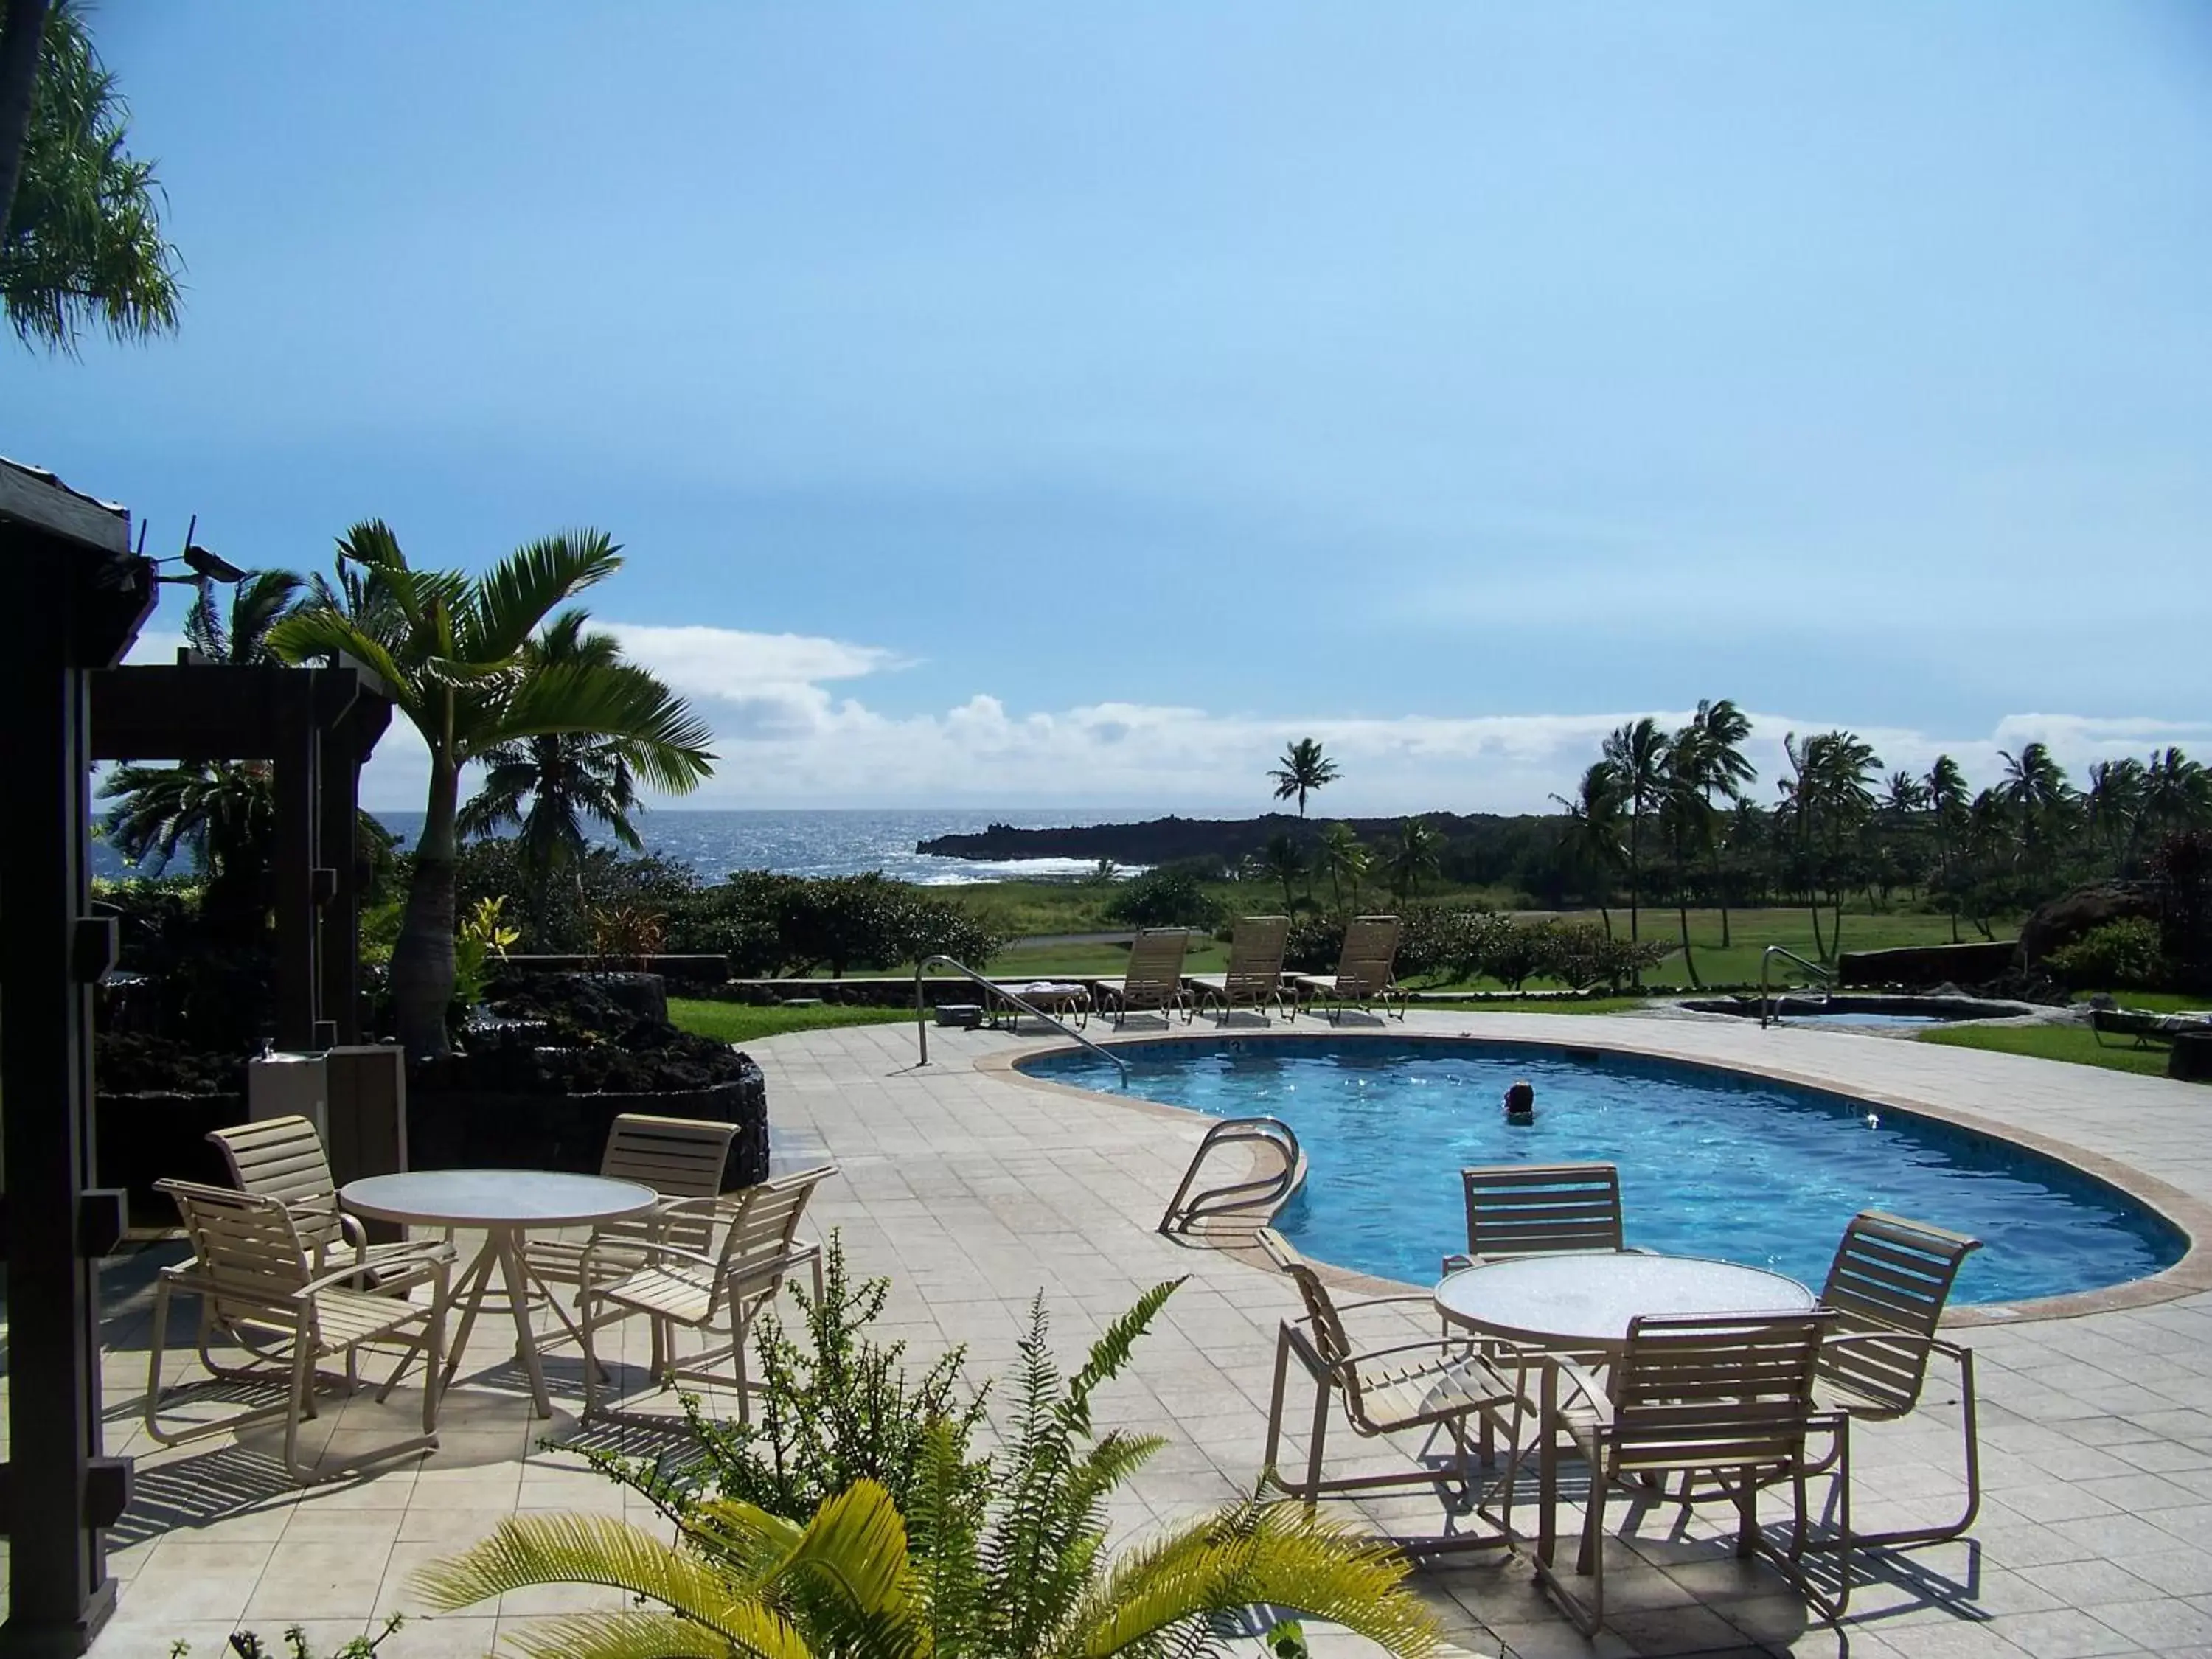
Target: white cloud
785 738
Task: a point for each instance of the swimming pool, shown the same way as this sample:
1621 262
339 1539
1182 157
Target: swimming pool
1712 1163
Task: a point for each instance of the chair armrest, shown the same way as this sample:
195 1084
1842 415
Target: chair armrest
653 1251
430 1265
1580 1381
351 1230
1458 1262
1425 1300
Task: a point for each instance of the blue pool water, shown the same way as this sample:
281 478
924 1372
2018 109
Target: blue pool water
1712 1163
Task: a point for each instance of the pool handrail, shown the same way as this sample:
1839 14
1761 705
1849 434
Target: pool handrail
1263 1193
921 1011
1766 1002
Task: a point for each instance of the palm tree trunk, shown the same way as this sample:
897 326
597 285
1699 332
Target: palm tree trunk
21 29
1682 911
1606 912
423 969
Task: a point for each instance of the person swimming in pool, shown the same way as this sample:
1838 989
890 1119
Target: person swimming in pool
1521 1103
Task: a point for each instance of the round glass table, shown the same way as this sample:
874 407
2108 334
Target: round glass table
505 1203
1582 1302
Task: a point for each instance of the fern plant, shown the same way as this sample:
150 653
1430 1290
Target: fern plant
834 1407
1013 1567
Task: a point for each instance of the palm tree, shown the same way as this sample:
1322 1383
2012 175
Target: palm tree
1721 729
2112 804
453 651
81 242
1285 861
1947 798
1827 797
2177 792
1346 863
1592 839
2035 790
1685 821
1305 768
1637 752
1411 856
1013 1567
551 786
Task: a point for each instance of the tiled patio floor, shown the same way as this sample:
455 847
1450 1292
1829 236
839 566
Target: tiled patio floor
976 1192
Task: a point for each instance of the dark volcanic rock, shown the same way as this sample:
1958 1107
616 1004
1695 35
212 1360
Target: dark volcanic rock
2063 921
1170 840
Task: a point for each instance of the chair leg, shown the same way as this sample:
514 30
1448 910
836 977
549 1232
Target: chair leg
1270 1467
301 1403
1313 1446
738 1322
1747 1510
154 1357
586 1326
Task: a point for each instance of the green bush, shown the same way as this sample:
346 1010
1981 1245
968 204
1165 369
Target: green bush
1578 954
1173 895
770 925
2123 955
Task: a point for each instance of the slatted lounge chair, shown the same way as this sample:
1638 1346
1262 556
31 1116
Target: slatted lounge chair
680 1157
1364 977
1254 975
1153 982
282 1159
701 1290
1888 1287
1727 1403
1425 1385
262 1285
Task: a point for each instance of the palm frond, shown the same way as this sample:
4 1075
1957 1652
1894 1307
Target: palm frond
663 741
318 631
641 1635
526 1550
510 601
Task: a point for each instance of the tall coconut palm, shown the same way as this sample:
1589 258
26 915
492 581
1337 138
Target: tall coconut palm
1947 799
2035 790
1721 729
1345 861
1592 838
553 785
1015 1567
1637 752
454 651
2177 792
1304 768
1411 856
1686 825
1827 798
2111 805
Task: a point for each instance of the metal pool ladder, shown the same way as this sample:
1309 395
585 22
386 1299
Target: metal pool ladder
1263 1192
921 1012
1825 976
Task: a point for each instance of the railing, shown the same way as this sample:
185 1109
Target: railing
921 1011
1766 1002
1264 1193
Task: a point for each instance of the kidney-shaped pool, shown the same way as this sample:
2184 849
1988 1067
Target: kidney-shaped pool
1712 1163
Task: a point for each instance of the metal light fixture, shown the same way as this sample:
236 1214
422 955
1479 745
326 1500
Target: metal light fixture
204 566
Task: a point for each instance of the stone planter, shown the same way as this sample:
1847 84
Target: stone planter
143 1136
2191 1060
468 1128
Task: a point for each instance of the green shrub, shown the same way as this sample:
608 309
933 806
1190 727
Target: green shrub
1173 895
769 925
1578 954
2123 955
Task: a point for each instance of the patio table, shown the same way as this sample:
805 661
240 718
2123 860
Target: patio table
1582 1302
505 1203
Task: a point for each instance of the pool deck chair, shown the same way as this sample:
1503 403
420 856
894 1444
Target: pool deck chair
1363 979
1153 983
702 1289
1727 1403
282 1159
1432 1385
1255 977
261 1284
1886 1288
1538 1209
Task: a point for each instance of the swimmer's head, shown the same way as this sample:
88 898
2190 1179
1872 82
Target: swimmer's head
1520 1099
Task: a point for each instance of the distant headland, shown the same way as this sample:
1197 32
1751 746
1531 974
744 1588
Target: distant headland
1165 841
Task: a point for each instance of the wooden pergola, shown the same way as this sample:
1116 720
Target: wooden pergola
78 596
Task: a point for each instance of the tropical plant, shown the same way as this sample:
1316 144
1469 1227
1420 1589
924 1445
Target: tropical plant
1828 796
1013 1567
1347 862
1170 895
81 240
2123 955
2035 791
551 787
833 1406
483 936
1948 798
1637 754
1685 823
1718 731
1285 860
1303 769
1409 856
1592 839
453 652
248 1644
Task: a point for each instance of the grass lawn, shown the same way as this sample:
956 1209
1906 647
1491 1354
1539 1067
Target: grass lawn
742 1022
2076 1045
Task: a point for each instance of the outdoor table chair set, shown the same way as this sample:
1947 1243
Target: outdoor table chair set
286 1275
1692 1380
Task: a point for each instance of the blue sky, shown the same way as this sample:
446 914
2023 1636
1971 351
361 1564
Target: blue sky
1012 404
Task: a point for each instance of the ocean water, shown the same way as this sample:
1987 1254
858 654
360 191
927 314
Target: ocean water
812 843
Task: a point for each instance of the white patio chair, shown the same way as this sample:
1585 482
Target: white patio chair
282 1159
701 1290
261 1286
